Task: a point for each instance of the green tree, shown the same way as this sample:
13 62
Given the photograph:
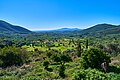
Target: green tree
65 58
79 49
62 59
62 71
87 44
94 58
56 58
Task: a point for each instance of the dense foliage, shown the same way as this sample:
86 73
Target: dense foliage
10 56
93 74
93 58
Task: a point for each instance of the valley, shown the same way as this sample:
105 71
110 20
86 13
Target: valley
66 54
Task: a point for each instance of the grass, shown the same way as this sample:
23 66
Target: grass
56 47
31 48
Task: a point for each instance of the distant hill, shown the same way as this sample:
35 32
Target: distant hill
101 29
6 27
97 30
61 30
67 29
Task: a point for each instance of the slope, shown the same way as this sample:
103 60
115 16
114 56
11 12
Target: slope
6 27
100 29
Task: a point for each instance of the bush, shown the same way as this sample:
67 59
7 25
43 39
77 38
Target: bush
65 58
93 74
56 58
49 54
46 63
89 74
10 56
94 58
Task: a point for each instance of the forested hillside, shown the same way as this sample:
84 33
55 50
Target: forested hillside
8 28
101 29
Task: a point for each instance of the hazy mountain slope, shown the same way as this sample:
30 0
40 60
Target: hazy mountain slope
7 27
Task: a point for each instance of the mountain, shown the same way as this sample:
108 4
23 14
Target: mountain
112 31
60 30
101 29
6 27
67 29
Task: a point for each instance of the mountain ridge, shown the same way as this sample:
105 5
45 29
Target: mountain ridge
101 28
104 28
6 27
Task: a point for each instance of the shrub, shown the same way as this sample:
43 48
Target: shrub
10 56
46 63
49 54
93 74
94 58
65 58
89 74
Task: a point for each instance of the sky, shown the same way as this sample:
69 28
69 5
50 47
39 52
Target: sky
55 14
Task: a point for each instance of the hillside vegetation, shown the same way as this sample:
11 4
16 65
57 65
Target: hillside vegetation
90 54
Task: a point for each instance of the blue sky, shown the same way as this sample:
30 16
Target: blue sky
54 14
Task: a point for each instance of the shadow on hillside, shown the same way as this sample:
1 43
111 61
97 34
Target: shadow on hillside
114 69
